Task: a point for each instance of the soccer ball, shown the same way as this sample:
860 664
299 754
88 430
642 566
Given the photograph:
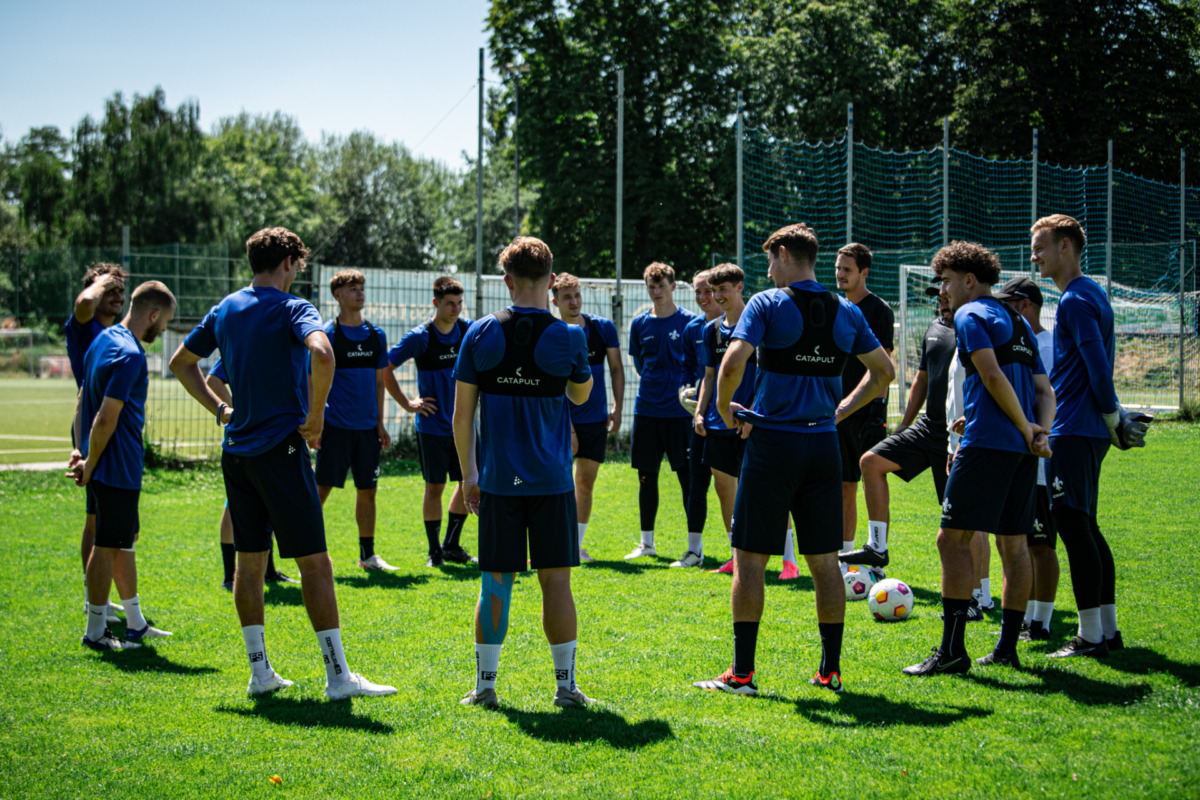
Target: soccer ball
859 580
890 600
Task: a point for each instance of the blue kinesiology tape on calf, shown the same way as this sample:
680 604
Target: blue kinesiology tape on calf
490 592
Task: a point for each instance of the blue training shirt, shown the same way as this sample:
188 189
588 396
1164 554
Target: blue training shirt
79 336
693 335
353 404
743 395
115 366
657 347
525 442
435 383
260 332
595 408
981 325
1084 347
799 403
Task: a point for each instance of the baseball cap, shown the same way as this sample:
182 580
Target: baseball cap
1021 287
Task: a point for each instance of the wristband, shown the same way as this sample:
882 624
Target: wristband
221 412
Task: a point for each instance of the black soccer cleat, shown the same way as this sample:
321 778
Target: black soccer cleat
1037 632
278 577
435 558
458 555
867 556
940 664
1115 642
1082 647
1008 659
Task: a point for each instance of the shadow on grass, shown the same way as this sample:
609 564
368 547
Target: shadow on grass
629 567
588 725
283 594
146 659
379 579
308 713
1144 661
803 583
1072 685
853 710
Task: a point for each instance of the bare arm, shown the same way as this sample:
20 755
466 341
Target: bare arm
220 388
577 393
422 405
997 385
90 297
466 398
103 427
380 382
729 378
703 400
319 381
916 398
880 372
1044 407
616 373
186 366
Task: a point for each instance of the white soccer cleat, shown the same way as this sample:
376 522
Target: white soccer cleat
148 632
108 642
357 686
689 559
642 550
267 685
584 557
375 562
571 698
486 698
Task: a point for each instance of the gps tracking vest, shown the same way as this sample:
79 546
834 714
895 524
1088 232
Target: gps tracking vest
1017 350
356 355
718 343
517 373
597 350
439 355
815 354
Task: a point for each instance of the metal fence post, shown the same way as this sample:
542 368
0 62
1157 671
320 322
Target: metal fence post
1108 227
478 310
1182 264
1033 204
619 298
849 172
945 181
740 209
125 247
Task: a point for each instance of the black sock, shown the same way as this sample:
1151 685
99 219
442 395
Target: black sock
229 556
454 529
954 624
433 532
366 547
745 642
831 647
1010 630
648 498
270 563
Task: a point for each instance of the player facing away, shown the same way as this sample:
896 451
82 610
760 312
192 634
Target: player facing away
97 307
592 422
661 426
918 444
354 422
1089 419
867 427
1009 406
804 334
109 421
519 367
265 336
1022 295
434 346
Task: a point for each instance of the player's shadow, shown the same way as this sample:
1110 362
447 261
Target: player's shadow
852 710
379 579
628 567
1144 661
928 596
802 583
572 725
1069 683
146 659
459 572
283 594
308 713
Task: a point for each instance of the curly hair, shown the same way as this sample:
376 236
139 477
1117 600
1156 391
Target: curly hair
267 249
972 257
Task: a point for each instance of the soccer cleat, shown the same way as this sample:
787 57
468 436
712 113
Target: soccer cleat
357 686
1115 642
1003 659
867 556
1036 632
267 685
689 559
376 563
642 550
832 681
1080 646
790 571
148 632
109 642
728 682
571 698
458 555
940 664
435 558
584 557
724 569
227 586
974 613
278 577
486 698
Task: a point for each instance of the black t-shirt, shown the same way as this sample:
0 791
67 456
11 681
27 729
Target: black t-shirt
880 318
937 352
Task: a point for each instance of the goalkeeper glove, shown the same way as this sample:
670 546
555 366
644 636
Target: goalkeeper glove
1127 429
687 399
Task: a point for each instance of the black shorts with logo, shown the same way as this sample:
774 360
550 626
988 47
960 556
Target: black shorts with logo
116 510
275 490
723 452
918 447
345 451
593 440
1074 472
654 437
439 458
1045 532
546 523
858 433
991 491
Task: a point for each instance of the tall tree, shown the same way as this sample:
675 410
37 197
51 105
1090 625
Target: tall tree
39 182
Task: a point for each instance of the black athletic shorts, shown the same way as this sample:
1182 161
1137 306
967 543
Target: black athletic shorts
858 433
547 522
89 502
439 458
116 510
593 440
991 491
654 437
1074 472
1044 532
723 452
344 450
275 490
920 446
789 473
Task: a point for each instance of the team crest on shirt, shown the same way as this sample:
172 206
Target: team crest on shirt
1058 485
673 335
946 507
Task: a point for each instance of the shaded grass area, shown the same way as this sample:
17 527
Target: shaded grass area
173 720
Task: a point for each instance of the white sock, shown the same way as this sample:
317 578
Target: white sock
1108 620
877 537
134 620
1031 611
582 531
1089 625
256 650
487 663
1045 610
789 547
847 546
564 663
696 543
336 670
648 538
97 621
729 536
985 589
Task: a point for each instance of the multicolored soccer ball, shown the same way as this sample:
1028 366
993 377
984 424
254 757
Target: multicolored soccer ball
859 580
890 600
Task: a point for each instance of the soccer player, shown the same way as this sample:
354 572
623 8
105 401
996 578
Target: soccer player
109 421
265 335
355 433
661 426
804 335
1089 419
515 366
919 442
1009 407
592 422
866 428
434 347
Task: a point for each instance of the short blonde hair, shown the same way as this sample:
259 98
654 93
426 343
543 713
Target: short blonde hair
1061 225
344 278
564 280
658 271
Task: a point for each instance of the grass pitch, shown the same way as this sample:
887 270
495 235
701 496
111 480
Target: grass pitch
173 720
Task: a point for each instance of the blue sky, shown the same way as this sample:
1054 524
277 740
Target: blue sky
395 68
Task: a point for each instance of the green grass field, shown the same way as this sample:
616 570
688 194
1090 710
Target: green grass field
174 721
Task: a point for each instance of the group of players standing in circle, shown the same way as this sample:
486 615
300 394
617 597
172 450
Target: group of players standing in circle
780 400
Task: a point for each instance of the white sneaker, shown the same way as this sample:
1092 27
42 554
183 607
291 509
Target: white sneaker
689 559
486 698
357 686
642 550
267 685
584 557
375 562
109 642
568 698
148 632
